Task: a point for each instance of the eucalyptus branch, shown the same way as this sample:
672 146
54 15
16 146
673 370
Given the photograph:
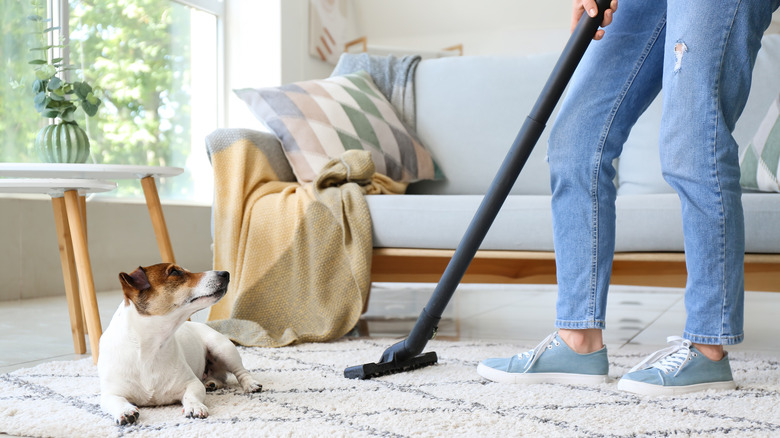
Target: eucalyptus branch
55 98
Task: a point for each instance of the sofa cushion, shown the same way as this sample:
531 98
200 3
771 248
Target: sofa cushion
318 120
760 161
469 111
644 223
639 169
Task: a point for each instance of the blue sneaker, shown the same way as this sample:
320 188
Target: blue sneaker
552 361
677 369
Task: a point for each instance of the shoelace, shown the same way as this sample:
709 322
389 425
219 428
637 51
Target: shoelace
671 358
537 351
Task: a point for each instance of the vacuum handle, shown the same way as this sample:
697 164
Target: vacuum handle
567 63
518 154
510 169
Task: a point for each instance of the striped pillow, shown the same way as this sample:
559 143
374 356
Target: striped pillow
318 120
760 161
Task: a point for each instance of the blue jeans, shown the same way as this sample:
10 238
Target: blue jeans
701 54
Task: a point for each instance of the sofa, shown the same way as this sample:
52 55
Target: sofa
468 110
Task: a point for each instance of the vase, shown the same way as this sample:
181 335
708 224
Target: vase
63 142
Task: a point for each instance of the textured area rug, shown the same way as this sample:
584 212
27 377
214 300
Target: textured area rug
305 394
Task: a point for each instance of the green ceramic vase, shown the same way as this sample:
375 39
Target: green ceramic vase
63 142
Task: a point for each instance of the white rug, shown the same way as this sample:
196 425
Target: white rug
305 394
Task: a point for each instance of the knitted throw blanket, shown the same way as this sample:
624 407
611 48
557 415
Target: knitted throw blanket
392 75
299 256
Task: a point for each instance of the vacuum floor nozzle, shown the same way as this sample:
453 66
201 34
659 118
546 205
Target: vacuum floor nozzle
369 370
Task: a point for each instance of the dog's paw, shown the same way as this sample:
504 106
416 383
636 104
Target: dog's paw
213 384
251 385
127 417
196 410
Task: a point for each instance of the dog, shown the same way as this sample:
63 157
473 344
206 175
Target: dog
151 355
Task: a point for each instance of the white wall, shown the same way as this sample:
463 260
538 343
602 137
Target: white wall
120 238
297 65
486 27
253 53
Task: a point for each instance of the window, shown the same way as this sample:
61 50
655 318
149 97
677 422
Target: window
156 63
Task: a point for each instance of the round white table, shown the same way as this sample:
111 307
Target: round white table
86 170
74 181
67 195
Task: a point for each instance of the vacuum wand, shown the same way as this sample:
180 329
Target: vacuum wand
405 355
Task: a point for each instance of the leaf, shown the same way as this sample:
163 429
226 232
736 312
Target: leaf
67 115
41 102
54 83
39 98
37 62
89 108
38 86
51 113
45 72
51 29
82 89
42 49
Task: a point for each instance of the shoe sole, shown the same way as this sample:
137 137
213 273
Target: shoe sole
530 378
643 388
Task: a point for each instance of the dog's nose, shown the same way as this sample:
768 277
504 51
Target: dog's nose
224 274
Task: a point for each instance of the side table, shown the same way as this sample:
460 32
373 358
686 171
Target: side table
66 195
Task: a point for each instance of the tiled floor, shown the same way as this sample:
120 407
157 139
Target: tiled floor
37 330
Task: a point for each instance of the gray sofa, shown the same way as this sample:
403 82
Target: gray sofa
468 112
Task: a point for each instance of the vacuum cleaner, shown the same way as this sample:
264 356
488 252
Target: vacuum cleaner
405 355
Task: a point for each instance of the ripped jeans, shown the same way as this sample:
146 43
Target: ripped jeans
701 54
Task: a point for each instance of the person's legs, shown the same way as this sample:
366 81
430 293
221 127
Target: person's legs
710 51
615 83
709 55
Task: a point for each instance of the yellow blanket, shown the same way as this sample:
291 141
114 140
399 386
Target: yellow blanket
299 256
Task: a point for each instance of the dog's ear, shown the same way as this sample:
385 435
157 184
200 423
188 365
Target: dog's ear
134 282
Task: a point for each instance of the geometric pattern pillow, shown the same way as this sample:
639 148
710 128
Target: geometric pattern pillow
318 120
760 161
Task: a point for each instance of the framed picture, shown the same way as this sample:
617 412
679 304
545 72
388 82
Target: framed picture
331 26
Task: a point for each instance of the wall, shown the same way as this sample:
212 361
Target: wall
297 65
253 53
120 238
488 27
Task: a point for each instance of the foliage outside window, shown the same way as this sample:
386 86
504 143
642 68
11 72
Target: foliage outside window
156 63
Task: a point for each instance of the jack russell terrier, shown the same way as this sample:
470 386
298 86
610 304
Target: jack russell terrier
150 355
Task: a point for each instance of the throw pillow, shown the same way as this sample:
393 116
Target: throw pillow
318 120
760 161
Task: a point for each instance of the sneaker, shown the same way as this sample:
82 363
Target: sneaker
677 369
552 361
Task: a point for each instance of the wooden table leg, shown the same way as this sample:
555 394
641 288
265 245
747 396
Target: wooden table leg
84 269
83 208
69 275
158 220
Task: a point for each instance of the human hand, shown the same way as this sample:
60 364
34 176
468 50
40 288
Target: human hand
581 6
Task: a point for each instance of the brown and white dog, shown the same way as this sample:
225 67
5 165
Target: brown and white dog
150 355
